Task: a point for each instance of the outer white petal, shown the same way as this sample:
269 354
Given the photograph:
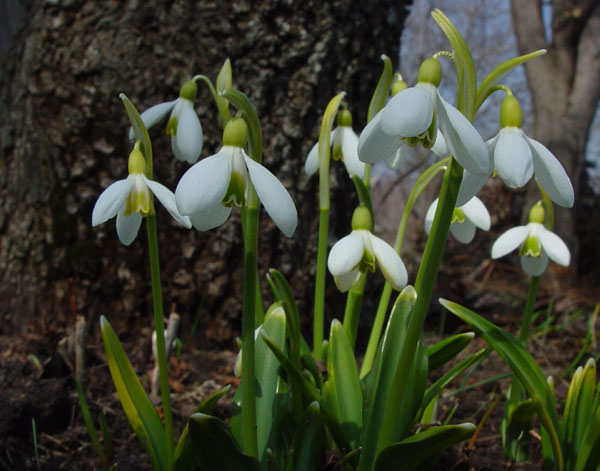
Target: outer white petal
408 113
204 184
374 145
534 266
397 160
176 152
390 263
110 201
476 212
167 198
311 166
274 197
344 282
154 114
552 175
469 187
345 254
554 246
463 140
128 226
349 141
189 132
463 232
440 148
509 241
512 157
430 215
211 218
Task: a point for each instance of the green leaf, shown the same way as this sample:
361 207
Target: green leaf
345 384
364 195
524 368
518 425
242 103
309 440
140 412
325 148
421 451
447 349
588 454
215 448
382 90
139 131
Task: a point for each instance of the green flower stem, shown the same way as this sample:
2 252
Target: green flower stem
528 314
352 312
163 368
319 314
420 185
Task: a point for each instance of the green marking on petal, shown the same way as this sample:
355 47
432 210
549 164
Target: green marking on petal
337 153
172 126
458 216
531 247
235 191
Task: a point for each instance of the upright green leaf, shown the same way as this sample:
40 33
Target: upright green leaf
382 90
309 440
447 349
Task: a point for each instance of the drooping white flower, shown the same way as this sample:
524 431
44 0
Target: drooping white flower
517 157
344 142
183 126
414 115
210 188
131 199
361 251
536 243
464 220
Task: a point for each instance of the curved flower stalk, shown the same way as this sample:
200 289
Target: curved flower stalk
359 252
131 199
517 157
345 148
537 244
465 220
209 189
183 126
413 116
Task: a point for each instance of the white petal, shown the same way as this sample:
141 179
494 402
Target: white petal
154 114
430 215
469 186
534 266
167 199
408 113
390 263
440 148
211 218
345 254
512 157
349 141
463 232
462 139
110 201
554 246
128 226
189 133
312 161
204 184
374 145
344 282
509 241
176 152
476 212
274 197
552 175
397 160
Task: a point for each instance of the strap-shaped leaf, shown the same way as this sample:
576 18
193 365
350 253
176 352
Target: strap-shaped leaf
309 440
525 369
422 449
139 131
215 448
447 349
140 412
382 90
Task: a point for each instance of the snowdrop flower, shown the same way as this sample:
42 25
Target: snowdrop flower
464 219
537 244
345 148
517 157
131 199
356 253
210 188
413 116
183 125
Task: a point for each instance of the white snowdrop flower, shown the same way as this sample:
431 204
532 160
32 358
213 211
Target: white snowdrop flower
210 188
131 199
344 142
360 251
413 115
536 243
517 157
465 219
183 125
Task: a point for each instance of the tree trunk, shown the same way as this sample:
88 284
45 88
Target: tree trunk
565 90
64 139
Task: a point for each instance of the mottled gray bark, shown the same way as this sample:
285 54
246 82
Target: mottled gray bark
64 139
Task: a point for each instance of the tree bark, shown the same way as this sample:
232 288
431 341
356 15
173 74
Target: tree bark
565 90
64 139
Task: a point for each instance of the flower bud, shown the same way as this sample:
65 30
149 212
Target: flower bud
188 90
430 72
510 113
235 133
398 86
361 219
